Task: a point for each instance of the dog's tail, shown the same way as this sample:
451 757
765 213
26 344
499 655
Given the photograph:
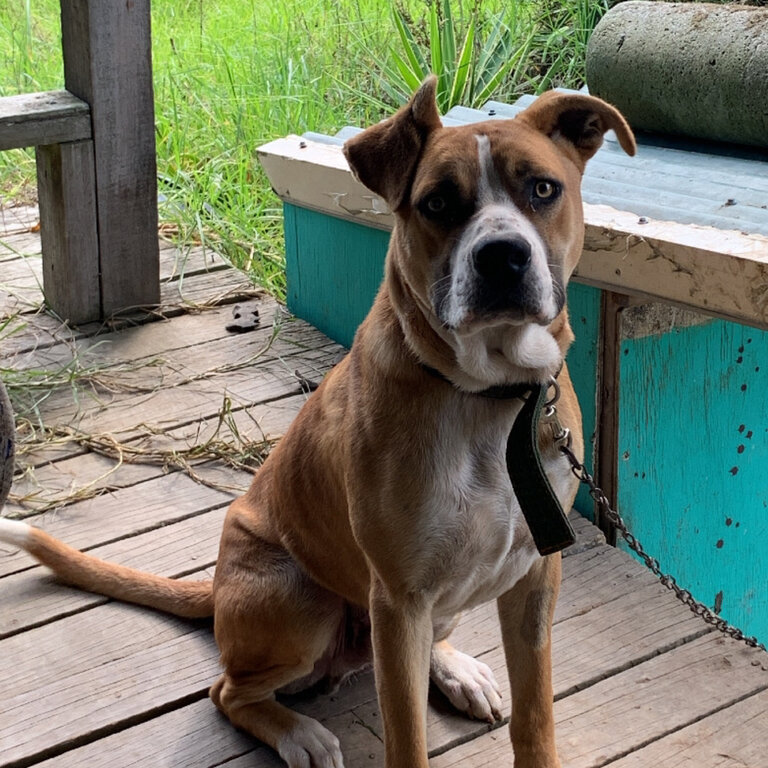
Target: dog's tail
189 599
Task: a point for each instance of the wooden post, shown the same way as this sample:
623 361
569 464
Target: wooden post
108 63
612 305
70 244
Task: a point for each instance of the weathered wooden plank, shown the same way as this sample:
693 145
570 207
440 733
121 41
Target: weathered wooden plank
50 117
16 246
107 63
207 289
66 187
731 738
192 345
638 706
105 362
664 694
81 475
214 281
126 415
21 257
198 735
699 505
17 218
99 668
32 597
251 424
723 273
194 735
125 512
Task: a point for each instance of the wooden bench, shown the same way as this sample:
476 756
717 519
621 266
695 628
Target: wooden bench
96 167
674 401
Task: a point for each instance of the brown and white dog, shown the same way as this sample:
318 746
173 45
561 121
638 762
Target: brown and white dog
387 509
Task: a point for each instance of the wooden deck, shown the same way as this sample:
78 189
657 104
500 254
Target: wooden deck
84 681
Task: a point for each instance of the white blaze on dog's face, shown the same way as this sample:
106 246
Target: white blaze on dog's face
494 267
496 208
499 211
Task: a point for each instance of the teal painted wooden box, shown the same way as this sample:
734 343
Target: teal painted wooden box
675 402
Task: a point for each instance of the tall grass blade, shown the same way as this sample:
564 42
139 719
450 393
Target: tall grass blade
410 78
461 76
413 54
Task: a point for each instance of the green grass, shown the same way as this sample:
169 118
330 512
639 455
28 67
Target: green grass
232 75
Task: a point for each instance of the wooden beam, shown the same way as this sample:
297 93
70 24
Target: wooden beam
721 273
49 117
66 189
107 63
607 419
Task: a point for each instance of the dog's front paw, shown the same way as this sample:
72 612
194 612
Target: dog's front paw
310 745
468 683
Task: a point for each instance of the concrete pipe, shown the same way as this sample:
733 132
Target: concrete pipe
690 69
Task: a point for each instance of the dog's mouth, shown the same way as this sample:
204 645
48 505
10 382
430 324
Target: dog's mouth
493 306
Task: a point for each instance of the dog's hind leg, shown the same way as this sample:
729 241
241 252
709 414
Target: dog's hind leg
273 625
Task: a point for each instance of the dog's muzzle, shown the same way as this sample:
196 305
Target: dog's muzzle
504 279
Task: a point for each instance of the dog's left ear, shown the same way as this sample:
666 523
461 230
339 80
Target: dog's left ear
580 121
384 156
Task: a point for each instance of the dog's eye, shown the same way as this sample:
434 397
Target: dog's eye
444 205
435 204
544 190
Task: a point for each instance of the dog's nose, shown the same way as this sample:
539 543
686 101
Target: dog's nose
506 259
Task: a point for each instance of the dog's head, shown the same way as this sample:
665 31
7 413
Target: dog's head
489 223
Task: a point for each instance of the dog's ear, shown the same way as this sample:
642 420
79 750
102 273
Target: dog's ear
578 120
384 156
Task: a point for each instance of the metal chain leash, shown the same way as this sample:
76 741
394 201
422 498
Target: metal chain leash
562 435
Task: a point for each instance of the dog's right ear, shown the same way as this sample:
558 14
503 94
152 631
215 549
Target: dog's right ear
384 156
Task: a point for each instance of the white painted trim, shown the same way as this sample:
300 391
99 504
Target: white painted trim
722 273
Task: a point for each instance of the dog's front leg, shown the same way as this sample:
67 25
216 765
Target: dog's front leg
525 613
402 634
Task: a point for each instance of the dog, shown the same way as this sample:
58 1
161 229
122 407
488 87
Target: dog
387 509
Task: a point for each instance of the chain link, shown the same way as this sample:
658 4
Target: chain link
685 597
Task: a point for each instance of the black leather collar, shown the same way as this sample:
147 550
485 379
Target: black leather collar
541 508
498 392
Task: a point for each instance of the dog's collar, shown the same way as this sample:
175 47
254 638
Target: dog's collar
497 392
541 508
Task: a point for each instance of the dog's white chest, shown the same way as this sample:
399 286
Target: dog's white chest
488 544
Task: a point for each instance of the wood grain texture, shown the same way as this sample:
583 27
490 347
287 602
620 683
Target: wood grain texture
96 669
50 117
108 64
66 186
197 735
644 704
726 739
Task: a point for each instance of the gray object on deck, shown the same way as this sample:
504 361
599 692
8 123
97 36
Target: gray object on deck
7 438
691 69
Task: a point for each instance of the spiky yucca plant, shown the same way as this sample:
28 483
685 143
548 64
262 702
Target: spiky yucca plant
468 70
